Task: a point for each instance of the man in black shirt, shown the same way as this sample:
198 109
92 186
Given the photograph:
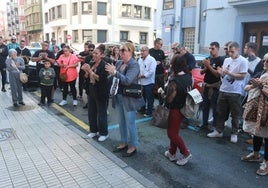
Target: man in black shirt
25 53
159 56
212 82
3 57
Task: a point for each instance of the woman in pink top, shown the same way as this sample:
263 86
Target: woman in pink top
68 63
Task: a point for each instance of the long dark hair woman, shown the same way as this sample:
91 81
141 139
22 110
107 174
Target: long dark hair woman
97 94
177 88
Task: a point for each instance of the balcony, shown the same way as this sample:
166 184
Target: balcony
246 2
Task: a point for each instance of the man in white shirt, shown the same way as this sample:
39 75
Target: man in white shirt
147 77
233 72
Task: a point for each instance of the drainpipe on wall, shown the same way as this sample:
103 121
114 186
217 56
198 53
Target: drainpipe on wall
197 27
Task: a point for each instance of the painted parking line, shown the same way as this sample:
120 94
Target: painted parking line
82 124
116 126
77 121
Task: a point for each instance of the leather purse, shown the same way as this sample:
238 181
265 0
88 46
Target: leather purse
133 90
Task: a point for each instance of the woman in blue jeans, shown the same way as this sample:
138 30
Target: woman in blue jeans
127 71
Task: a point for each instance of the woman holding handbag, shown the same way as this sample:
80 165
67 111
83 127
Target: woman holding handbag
15 65
258 126
127 72
176 93
68 73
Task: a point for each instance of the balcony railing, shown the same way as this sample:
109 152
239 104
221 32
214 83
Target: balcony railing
245 2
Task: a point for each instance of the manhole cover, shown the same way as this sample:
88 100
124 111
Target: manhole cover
22 108
7 134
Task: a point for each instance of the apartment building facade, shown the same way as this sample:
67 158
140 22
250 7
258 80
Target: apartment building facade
196 23
77 21
33 20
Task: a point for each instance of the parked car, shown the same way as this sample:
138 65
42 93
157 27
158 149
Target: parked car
33 77
199 58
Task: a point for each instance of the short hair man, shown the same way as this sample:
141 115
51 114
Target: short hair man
212 82
3 57
233 72
147 77
159 56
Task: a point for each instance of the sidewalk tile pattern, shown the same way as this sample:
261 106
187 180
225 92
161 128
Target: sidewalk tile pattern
48 154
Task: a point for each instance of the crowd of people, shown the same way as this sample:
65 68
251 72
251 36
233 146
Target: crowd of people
230 81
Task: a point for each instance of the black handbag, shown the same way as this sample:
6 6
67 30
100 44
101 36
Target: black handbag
133 90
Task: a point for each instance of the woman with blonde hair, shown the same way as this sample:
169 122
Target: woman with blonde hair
127 72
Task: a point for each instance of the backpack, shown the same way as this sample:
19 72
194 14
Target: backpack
192 102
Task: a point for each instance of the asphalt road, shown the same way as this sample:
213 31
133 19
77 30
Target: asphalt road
215 163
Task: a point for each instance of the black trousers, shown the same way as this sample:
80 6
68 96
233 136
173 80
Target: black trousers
4 77
46 93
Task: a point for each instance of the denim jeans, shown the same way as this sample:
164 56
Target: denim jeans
126 122
228 102
148 97
46 93
210 102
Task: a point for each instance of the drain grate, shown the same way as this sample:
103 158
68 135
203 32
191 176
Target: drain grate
7 134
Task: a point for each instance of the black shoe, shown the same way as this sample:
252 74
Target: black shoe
129 154
142 111
22 103
15 105
4 90
116 150
85 107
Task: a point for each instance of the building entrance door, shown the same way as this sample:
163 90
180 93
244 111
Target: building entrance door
257 32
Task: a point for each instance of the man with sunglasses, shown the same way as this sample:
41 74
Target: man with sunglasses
212 82
233 72
41 56
13 44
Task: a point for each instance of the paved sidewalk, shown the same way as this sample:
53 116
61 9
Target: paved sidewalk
38 149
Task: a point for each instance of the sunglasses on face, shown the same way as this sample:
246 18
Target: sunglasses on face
265 61
225 48
212 48
122 50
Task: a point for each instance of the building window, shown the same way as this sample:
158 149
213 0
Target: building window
53 13
168 4
102 36
123 36
147 13
137 11
46 17
188 37
102 8
59 9
189 3
75 35
47 37
143 38
86 35
87 7
74 8
126 10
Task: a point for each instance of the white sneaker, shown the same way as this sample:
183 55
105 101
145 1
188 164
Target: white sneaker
75 102
233 138
63 102
214 134
103 138
183 160
92 135
169 156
